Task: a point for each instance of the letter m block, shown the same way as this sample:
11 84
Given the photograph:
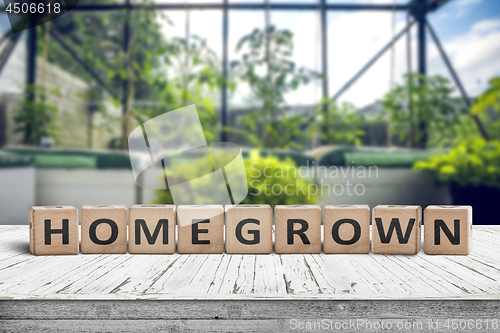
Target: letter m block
54 230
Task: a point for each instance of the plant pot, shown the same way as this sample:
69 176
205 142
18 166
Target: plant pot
483 199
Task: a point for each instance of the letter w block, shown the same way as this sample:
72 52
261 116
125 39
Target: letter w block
151 229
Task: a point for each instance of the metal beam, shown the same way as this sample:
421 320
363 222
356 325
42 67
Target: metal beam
75 56
456 79
30 74
242 6
12 40
420 12
372 61
324 70
225 37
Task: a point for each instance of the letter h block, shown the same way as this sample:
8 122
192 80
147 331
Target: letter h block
54 230
201 229
448 230
297 229
396 229
151 229
104 229
249 229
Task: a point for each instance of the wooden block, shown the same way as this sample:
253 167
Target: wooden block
347 229
151 229
249 229
396 229
54 230
448 230
297 229
201 229
104 229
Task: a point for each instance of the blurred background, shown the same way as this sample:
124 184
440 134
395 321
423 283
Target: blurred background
370 101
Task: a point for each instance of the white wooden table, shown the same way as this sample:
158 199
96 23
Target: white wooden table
255 292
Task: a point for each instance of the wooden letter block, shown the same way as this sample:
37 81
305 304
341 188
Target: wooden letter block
201 229
249 229
151 229
396 229
54 230
448 230
104 229
297 229
347 229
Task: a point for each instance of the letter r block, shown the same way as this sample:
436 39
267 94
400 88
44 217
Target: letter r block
448 230
54 230
151 229
104 229
396 229
347 228
201 229
249 229
297 229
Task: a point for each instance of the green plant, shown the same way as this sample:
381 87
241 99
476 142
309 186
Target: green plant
423 112
270 180
36 116
267 68
489 100
473 162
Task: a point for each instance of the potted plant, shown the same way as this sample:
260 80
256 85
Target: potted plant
472 168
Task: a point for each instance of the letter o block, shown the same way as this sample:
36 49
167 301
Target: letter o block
201 229
54 230
151 229
396 229
448 230
249 229
347 229
104 229
297 229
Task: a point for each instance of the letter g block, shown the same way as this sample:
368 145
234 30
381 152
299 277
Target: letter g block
249 229
54 230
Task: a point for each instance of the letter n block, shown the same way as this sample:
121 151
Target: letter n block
396 229
347 229
249 229
104 229
201 229
54 230
151 229
448 230
297 229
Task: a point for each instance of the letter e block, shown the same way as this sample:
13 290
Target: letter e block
448 230
347 229
201 229
297 229
151 229
54 230
104 229
249 229
396 229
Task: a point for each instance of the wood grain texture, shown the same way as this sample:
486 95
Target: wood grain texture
58 218
405 219
207 221
150 216
227 277
288 219
356 231
253 214
104 229
458 222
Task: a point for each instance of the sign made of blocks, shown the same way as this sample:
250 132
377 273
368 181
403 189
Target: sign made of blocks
197 233
151 229
104 229
249 229
297 229
54 230
448 230
396 229
347 229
